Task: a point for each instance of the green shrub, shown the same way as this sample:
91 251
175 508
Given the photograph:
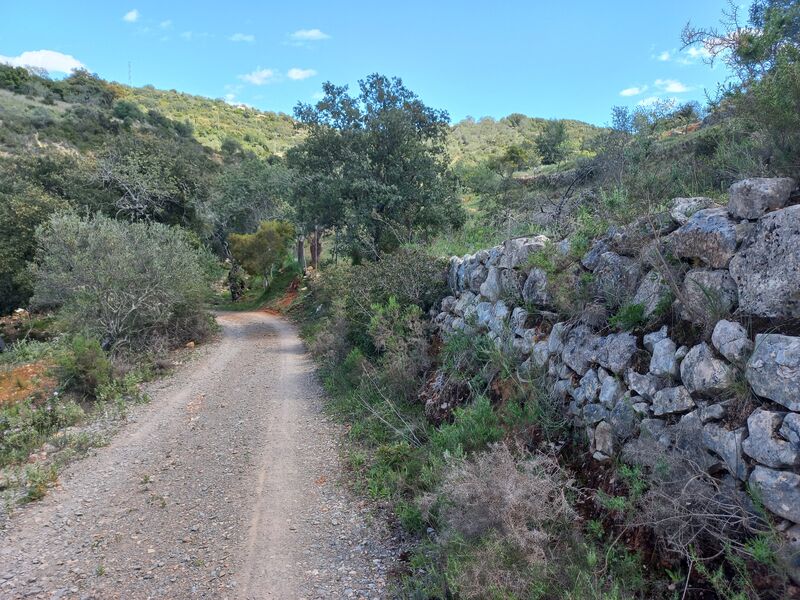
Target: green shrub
83 366
629 316
128 284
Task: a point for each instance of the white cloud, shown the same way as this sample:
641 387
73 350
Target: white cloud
131 16
317 96
664 56
633 91
242 37
309 35
165 24
50 60
671 86
700 52
299 74
259 76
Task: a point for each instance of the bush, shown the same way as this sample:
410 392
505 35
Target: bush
260 253
126 284
83 366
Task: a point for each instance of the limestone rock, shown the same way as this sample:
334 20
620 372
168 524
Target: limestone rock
452 274
780 491
593 413
683 208
623 418
555 341
474 276
651 293
773 370
645 385
610 391
519 316
753 198
535 289
790 429
615 352
579 349
540 354
708 235
767 271
672 400
630 240
516 251
731 340
592 257
604 438
616 278
465 300
763 446
651 339
703 373
663 362
491 288
708 294
727 445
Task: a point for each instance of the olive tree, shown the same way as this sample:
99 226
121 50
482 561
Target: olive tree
124 283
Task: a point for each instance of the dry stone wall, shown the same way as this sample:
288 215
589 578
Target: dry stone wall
632 391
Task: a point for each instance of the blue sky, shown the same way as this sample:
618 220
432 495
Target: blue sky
548 59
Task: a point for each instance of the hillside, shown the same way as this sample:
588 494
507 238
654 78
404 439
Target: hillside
263 132
473 141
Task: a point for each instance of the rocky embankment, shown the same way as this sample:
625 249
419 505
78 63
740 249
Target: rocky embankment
717 372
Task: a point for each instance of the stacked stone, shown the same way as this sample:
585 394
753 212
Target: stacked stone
629 393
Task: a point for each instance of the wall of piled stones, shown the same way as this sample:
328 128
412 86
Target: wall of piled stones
634 390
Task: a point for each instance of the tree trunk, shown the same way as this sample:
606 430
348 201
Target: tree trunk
316 247
301 252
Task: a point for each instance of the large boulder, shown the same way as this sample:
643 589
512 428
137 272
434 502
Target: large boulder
753 198
707 294
604 440
773 370
767 270
727 445
708 235
762 443
682 209
511 285
616 278
731 340
779 491
464 301
703 373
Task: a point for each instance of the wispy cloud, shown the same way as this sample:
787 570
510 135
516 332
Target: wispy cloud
165 24
664 56
671 86
50 60
309 35
633 91
260 76
195 35
690 56
131 16
243 37
300 74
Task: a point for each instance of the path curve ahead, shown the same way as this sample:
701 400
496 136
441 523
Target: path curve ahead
227 485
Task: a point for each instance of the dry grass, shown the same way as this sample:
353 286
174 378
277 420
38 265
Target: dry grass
522 499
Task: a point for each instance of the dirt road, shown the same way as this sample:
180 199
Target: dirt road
227 485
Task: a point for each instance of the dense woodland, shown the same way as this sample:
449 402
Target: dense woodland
115 198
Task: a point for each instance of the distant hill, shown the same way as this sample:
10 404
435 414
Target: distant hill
214 121
472 141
